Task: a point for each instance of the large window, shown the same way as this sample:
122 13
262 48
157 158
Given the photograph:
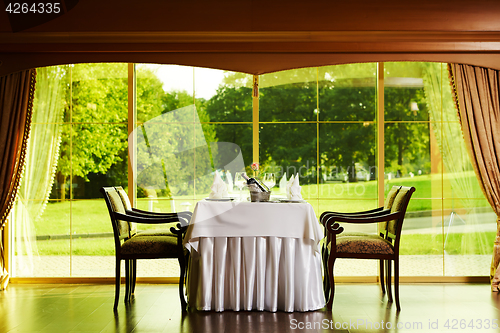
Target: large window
320 123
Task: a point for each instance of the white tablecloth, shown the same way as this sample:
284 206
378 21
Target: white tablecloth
254 256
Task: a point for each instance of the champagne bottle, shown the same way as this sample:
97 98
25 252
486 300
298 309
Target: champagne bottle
261 186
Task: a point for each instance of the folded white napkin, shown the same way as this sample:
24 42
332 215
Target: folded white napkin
229 179
218 189
283 184
295 190
288 187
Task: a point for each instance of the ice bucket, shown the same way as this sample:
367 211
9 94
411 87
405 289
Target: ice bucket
259 196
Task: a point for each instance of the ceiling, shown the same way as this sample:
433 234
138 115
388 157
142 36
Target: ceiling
252 36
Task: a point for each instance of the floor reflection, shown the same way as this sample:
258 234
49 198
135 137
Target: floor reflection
253 321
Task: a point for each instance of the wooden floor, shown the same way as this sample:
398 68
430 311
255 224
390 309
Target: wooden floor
156 308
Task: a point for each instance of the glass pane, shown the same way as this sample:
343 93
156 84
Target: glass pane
347 92
289 148
52 246
404 98
288 95
223 96
59 189
238 134
421 249
347 153
408 159
232 104
98 94
161 89
41 157
173 159
91 238
98 158
470 231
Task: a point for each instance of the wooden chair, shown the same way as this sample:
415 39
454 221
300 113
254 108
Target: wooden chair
382 247
143 213
374 212
131 245
165 231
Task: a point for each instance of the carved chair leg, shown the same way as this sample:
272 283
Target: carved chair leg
396 283
326 279
181 257
134 274
382 280
331 262
127 280
388 278
117 283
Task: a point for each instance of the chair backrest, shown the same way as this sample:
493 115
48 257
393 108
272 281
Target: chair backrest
391 196
128 206
124 197
389 200
400 204
121 229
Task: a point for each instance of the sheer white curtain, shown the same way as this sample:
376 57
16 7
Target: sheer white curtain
41 162
458 170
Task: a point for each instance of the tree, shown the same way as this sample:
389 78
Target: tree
288 105
232 104
96 106
95 143
406 140
166 140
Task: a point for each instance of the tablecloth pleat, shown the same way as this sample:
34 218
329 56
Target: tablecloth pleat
255 273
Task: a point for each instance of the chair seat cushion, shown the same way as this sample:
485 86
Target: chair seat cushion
158 232
353 233
359 243
151 245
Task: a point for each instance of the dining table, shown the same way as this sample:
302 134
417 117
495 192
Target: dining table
248 256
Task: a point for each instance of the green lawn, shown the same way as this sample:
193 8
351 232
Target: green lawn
414 244
457 243
79 247
91 216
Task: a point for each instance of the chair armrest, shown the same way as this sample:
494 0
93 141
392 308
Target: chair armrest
365 219
147 220
183 217
143 213
335 228
325 215
179 229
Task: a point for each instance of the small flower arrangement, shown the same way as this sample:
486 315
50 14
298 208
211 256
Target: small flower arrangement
255 167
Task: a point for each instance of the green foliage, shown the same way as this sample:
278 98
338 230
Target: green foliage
170 140
407 142
95 140
96 98
231 104
150 95
97 107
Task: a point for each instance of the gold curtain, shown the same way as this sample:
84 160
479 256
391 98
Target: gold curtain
16 101
476 94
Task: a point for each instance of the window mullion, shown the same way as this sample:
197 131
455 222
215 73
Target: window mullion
131 125
380 133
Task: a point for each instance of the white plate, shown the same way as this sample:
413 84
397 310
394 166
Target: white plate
286 200
222 199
